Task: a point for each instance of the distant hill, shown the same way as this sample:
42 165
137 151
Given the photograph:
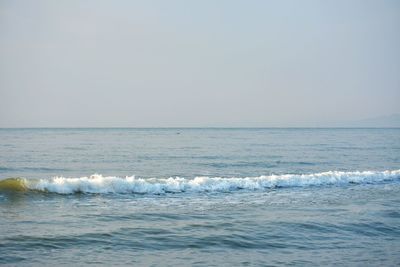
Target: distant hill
388 121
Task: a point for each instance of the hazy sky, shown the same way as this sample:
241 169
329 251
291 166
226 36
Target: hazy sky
197 63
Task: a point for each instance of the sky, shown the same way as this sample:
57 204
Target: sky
208 63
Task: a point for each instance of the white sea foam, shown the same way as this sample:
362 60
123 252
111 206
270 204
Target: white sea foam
100 184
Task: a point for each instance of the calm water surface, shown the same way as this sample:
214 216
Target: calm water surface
342 217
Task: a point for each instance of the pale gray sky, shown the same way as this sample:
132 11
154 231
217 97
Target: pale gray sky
197 63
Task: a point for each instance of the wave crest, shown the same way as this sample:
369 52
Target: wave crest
110 184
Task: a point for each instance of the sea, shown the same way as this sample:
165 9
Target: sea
200 197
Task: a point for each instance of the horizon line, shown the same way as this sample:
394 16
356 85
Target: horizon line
202 127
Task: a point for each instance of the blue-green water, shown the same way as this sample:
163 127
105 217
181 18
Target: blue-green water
236 197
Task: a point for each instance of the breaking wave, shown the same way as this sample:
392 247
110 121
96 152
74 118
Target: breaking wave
98 184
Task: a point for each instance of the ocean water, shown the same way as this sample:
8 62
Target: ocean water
200 197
